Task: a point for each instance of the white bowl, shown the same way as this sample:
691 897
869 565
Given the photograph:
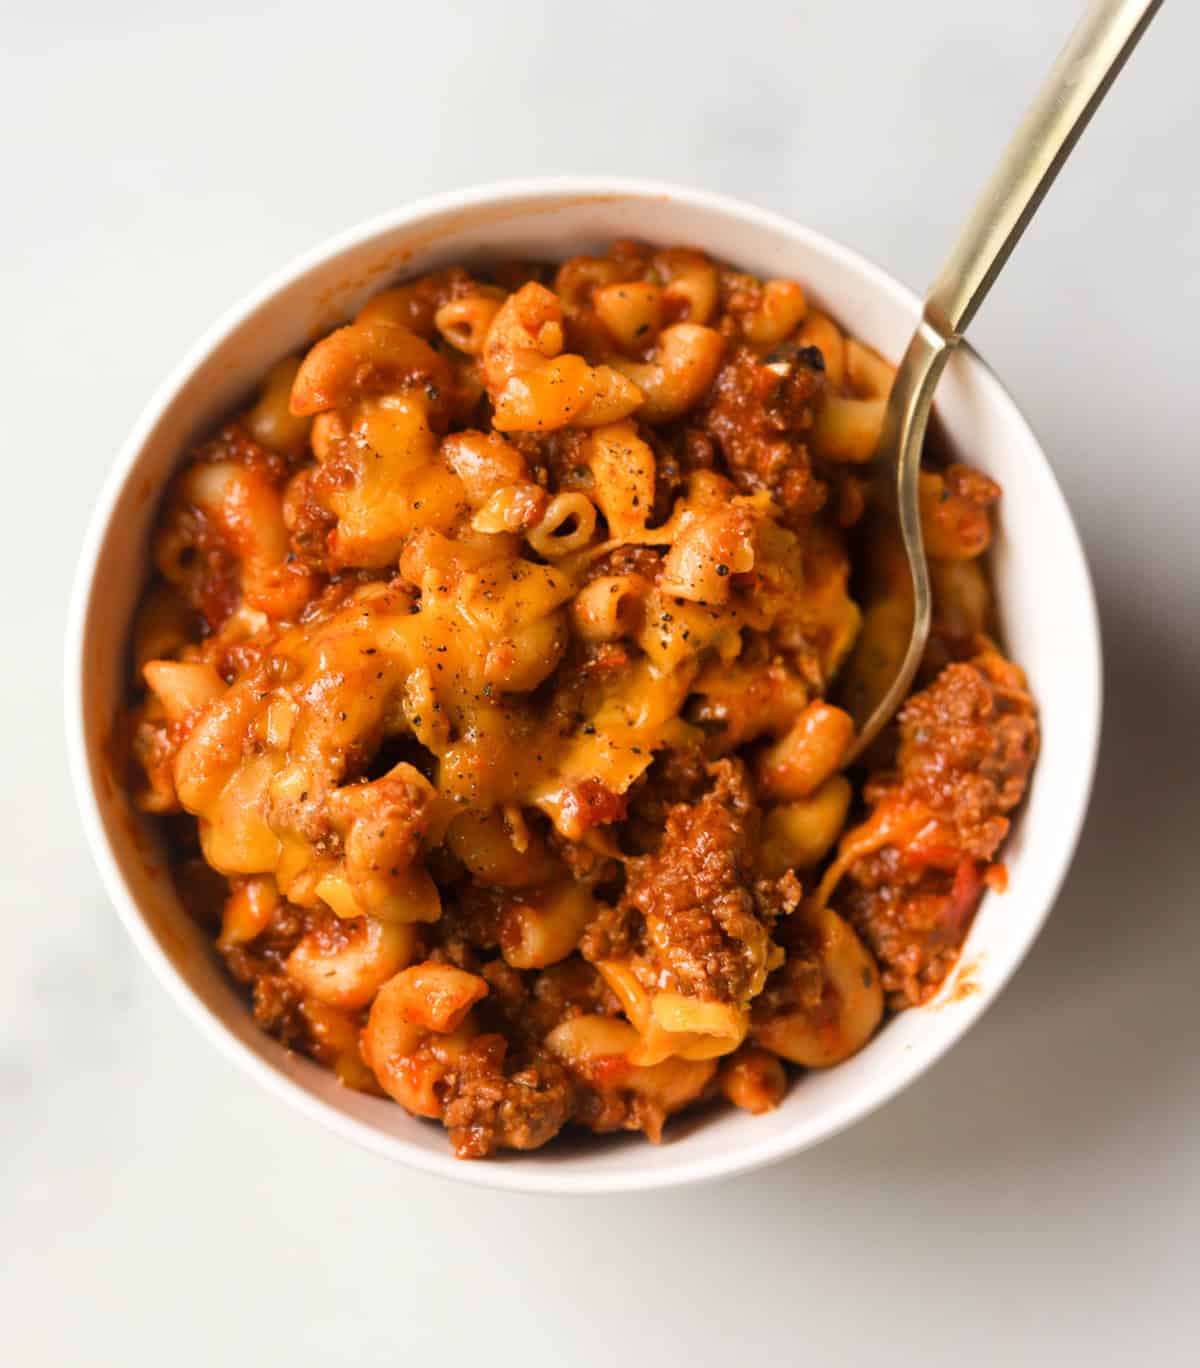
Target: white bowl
1045 596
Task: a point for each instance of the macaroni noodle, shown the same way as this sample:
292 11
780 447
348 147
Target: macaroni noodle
497 679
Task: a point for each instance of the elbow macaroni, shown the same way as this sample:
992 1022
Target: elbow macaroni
489 655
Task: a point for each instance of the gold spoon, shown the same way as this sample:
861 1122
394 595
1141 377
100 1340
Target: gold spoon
1079 80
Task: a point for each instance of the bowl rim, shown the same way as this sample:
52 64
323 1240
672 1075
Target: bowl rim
520 1174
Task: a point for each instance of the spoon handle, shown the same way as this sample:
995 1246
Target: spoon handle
1086 67
1089 63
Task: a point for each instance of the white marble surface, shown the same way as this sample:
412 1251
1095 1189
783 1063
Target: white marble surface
1035 1198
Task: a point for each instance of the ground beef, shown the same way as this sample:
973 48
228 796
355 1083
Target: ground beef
309 521
234 443
259 966
204 572
777 898
586 865
472 916
588 803
967 745
758 416
678 451
798 985
558 460
626 560
501 1097
604 1110
612 933
678 775
568 989
277 1008
914 927
702 934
